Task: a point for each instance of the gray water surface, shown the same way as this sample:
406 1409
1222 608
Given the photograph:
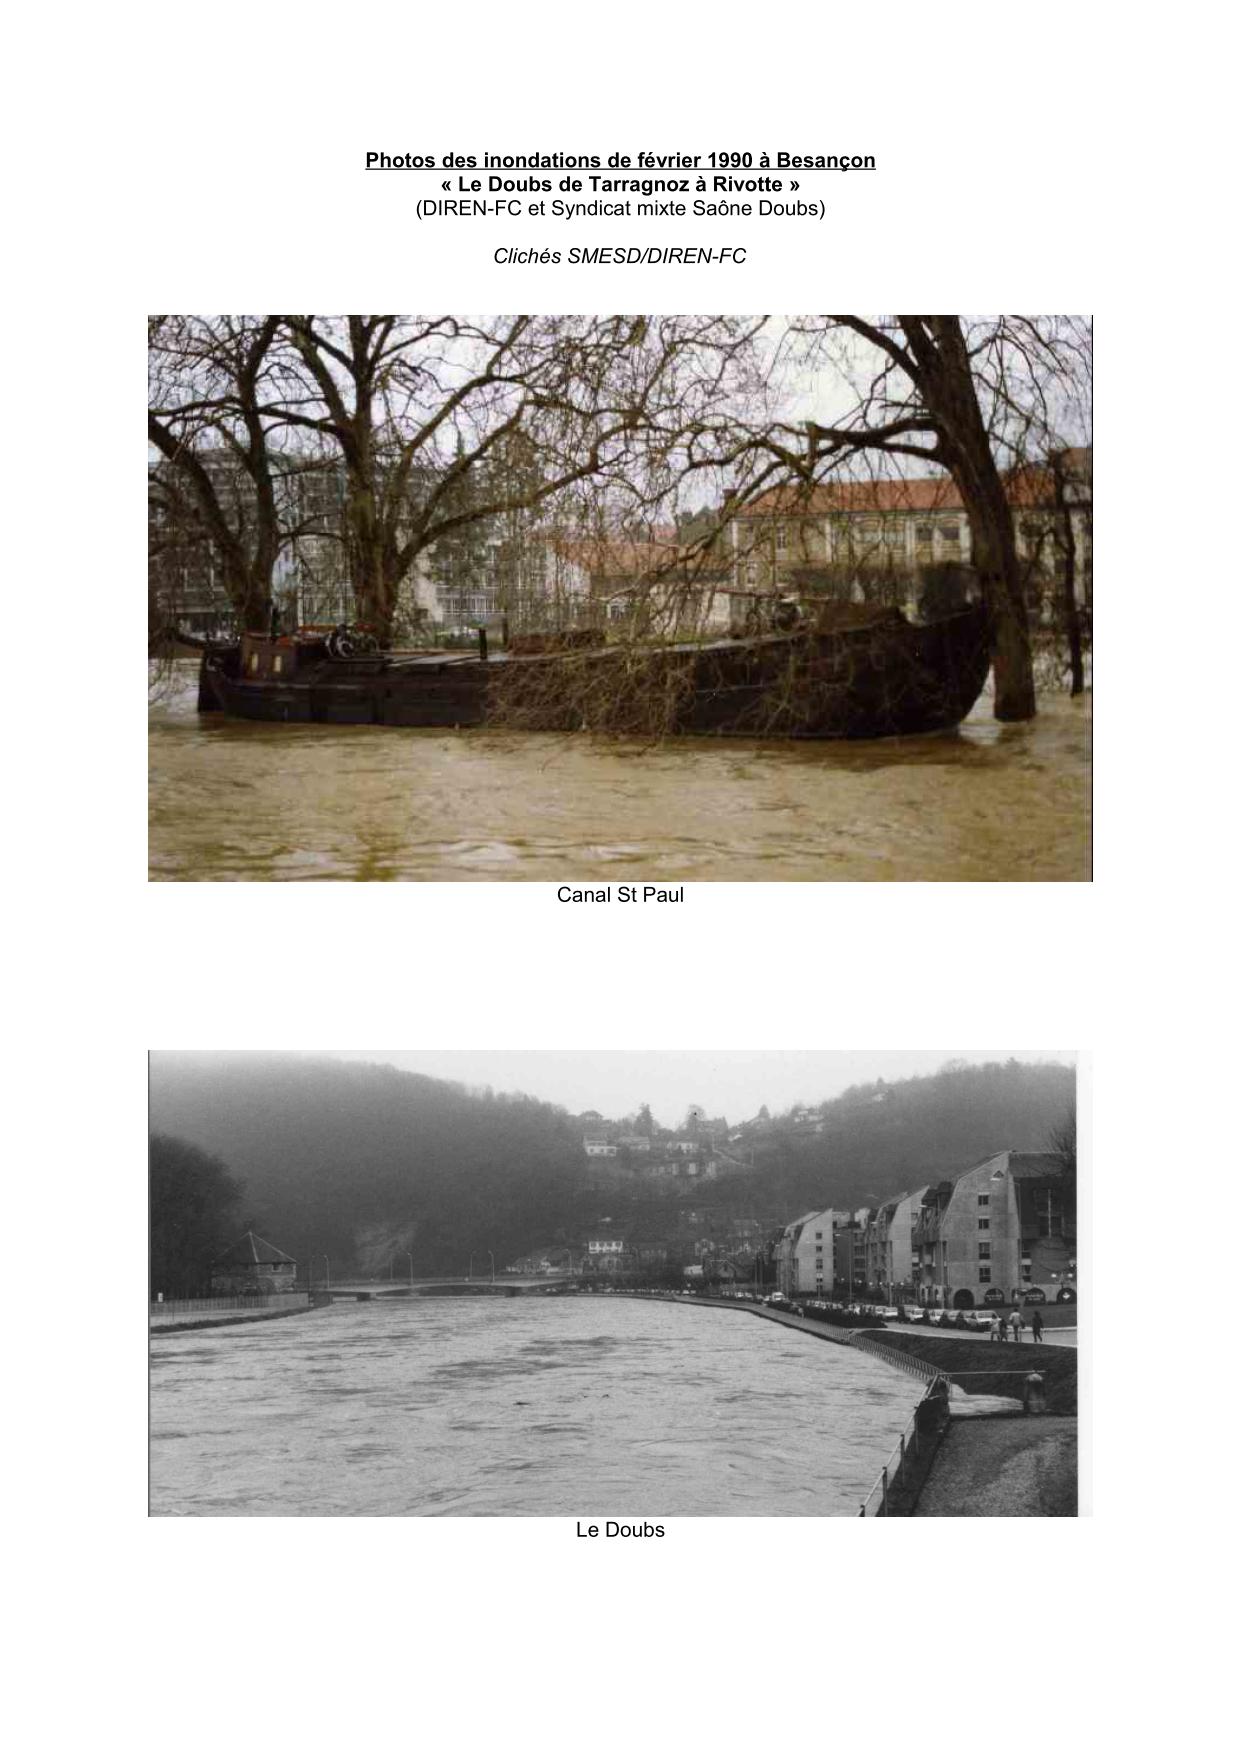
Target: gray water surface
560 1406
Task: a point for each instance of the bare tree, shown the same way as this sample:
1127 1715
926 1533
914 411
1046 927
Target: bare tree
967 397
416 406
207 421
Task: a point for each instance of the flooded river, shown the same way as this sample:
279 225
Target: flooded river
234 801
457 1406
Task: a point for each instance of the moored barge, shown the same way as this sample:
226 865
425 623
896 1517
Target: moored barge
878 675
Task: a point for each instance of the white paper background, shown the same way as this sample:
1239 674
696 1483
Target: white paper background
211 160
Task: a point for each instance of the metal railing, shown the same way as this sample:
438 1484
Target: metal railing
905 1361
198 1305
908 1448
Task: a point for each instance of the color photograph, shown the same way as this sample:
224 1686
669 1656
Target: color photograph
674 598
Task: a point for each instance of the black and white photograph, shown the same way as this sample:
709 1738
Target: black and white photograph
630 1286
497 598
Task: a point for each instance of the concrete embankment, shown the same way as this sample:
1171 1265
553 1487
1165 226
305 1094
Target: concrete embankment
819 1330
985 1456
179 1323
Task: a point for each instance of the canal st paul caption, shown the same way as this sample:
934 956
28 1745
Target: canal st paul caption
623 892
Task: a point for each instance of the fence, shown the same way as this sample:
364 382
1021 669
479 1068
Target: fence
904 1361
916 1445
211 1305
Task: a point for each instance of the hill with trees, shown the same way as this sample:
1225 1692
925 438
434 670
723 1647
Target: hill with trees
360 1161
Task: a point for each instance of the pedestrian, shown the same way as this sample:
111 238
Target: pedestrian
1018 1323
1036 1325
1003 1327
994 1327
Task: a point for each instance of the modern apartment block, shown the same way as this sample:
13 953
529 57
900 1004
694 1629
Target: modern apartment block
1003 1229
805 1255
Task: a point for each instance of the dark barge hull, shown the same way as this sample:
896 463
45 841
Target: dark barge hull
883 678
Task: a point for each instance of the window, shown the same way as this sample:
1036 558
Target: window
950 532
983 1251
983 1224
983 1199
818 1236
983 1275
925 533
781 536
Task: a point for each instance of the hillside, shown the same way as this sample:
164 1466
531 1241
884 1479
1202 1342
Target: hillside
356 1161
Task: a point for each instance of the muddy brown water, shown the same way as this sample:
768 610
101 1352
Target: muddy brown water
232 801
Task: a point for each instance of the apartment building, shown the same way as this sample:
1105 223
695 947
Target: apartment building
805 1255
869 539
1003 1230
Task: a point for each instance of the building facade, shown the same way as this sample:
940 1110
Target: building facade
805 1255
1004 1231
254 1266
873 540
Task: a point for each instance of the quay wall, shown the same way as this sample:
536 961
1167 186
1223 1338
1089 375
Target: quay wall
913 1468
213 1312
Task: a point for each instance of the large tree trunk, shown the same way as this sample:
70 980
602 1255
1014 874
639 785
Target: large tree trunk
946 382
1071 616
994 558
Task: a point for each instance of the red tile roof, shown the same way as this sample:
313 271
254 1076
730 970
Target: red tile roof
928 493
1029 485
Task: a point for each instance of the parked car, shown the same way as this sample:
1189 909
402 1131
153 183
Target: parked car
887 1313
775 1297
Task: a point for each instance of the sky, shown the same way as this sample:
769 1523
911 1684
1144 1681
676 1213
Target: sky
731 1083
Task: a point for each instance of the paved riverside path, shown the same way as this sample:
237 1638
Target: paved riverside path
1050 1336
1004 1467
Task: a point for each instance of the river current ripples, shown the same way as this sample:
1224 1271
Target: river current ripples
235 801
558 1406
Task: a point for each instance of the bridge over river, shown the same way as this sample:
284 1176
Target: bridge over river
507 1285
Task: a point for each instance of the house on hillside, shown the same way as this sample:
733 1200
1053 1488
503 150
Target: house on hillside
604 1253
252 1265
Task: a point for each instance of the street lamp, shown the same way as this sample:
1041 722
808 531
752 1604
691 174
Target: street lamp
408 1252
327 1267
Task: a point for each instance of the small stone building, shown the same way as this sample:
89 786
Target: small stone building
252 1265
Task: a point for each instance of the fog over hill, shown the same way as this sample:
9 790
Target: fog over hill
356 1160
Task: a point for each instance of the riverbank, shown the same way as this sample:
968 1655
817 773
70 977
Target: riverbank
984 1367
233 1319
1003 1467
990 1458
